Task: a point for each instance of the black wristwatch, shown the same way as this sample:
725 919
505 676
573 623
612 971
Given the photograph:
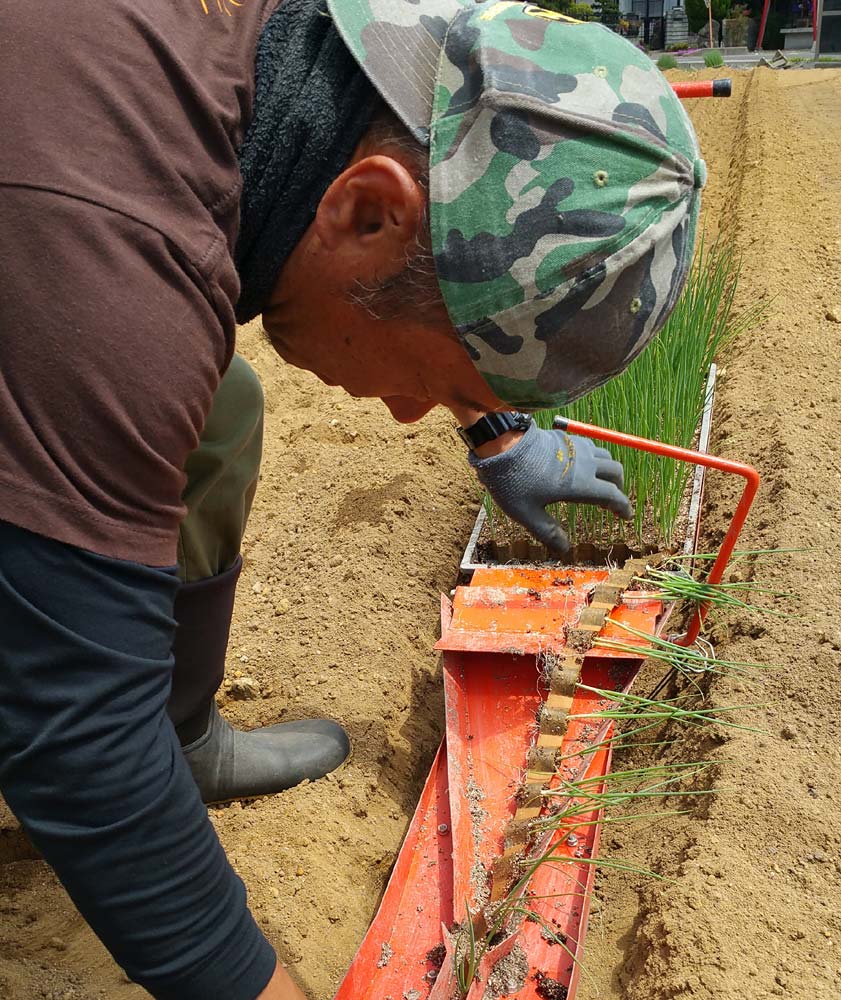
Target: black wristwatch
492 426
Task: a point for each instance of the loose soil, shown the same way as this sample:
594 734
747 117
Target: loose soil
359 524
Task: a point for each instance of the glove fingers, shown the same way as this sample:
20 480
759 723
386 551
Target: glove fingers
611 472
546 529
607 495
602 453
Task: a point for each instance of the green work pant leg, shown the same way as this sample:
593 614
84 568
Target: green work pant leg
221 479
222 476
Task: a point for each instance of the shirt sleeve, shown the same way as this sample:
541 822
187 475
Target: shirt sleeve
90 765
113 344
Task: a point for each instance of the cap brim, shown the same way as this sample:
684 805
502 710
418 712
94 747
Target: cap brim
398 45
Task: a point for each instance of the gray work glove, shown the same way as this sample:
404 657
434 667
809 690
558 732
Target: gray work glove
546 467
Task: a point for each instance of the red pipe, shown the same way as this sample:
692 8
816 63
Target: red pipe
704 88
750 475
764 21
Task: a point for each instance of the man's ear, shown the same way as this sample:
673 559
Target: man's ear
372 210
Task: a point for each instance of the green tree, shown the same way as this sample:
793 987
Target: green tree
606 11
560 6
698 15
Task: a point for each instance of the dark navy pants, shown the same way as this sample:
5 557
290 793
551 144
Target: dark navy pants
90 765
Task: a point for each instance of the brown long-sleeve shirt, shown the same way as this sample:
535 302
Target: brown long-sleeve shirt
119 193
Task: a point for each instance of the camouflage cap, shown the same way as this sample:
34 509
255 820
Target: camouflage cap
564 183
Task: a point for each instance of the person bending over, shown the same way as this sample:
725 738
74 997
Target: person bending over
482 206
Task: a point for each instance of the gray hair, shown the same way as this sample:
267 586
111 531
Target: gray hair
415 287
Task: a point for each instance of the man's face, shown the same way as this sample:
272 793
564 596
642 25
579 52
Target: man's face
365 223
410 364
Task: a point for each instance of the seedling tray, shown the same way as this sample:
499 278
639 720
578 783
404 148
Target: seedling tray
524 552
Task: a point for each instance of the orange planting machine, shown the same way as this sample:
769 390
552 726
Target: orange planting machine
522 685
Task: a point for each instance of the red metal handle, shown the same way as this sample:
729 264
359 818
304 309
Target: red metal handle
704 88
750 475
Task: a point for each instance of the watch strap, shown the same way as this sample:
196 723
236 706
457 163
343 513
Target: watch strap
492 426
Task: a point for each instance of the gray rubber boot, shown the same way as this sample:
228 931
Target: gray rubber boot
229 764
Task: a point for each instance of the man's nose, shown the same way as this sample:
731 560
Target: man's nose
406 410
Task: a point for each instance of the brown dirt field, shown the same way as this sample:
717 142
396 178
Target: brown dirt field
358 526
753 910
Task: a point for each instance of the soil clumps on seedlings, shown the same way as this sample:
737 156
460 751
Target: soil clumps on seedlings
579 640
435 956
548 988
479 876
508 975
